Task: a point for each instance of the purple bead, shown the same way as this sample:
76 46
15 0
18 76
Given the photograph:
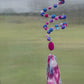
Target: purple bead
48 32
62 27
48 38
64 16
62 1
51 20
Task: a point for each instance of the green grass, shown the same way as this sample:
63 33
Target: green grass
23 52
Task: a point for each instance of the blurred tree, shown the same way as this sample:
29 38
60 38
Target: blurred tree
8 11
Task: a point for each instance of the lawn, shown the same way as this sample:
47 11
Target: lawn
23 51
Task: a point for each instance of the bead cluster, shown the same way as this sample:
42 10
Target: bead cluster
53 18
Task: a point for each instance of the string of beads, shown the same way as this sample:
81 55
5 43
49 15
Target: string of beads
53 18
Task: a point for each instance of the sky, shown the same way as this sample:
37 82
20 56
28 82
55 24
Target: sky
28 5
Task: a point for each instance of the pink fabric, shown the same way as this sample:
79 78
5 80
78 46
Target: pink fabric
53 73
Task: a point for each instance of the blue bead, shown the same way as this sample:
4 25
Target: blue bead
56 25
44 26
57 28
45 9
62 27
50 29
42 14
55 5
48 32
53 16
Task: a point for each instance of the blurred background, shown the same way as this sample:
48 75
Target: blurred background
23 45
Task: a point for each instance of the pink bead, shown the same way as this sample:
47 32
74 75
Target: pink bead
47 23
46 15
51 46
56 18
46 28
49 7
65 25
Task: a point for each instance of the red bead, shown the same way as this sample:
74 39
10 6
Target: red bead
59 16
46 15
51 46
59 3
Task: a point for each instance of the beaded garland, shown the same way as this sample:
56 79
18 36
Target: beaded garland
53 18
